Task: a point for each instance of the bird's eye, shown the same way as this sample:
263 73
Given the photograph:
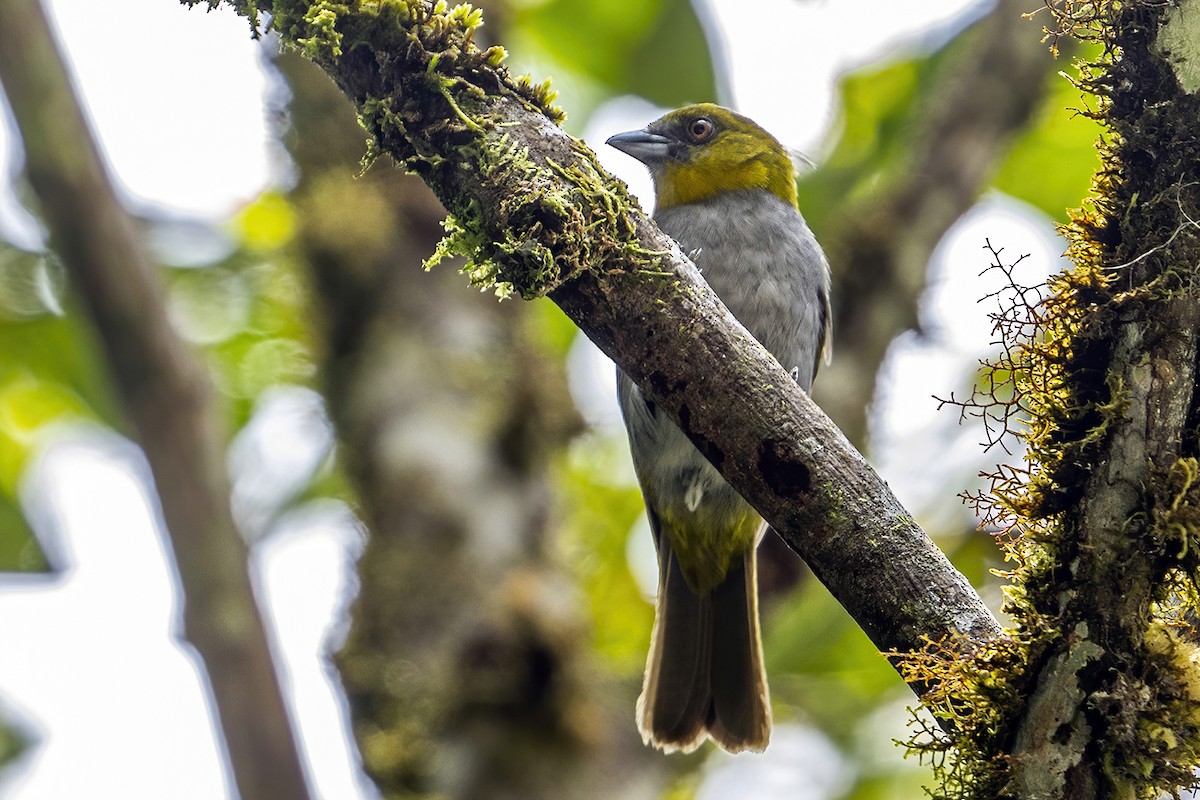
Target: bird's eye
700 129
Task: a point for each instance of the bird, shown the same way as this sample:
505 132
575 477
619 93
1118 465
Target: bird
725 191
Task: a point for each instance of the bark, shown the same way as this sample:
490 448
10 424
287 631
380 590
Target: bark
1116 581
167 397
460 593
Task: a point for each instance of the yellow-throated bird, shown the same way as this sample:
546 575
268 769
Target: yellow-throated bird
726 193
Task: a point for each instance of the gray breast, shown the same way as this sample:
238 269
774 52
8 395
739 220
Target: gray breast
759 256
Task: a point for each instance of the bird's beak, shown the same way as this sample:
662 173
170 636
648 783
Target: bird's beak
646 147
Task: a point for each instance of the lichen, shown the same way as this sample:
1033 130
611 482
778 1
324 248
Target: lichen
1179 42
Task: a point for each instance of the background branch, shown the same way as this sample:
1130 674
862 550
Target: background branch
984 89
167 397
460 580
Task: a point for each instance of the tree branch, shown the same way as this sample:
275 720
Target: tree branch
541 216
167 397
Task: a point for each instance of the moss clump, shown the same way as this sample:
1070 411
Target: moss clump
540 238
973 699
1152 716
324 40
1177 516
404 36
526 220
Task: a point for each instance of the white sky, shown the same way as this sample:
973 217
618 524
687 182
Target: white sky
91 665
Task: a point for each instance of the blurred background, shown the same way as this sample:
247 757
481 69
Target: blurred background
445 532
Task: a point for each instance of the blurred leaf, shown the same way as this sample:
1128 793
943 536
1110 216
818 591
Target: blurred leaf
655 48
550 326
12 744
27 407
249 311
876 105
20 551
598 517
894 785
975 555
673 65
1051 165
877 108
49 372
61 351
31 284
821 662
209 305
266 224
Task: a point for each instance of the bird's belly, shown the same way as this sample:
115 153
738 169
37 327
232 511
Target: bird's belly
688 484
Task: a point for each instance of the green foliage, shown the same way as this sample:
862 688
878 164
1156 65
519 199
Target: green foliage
655 49
12 745
49 375
249 311
823 663
598 515
878 105
1051 165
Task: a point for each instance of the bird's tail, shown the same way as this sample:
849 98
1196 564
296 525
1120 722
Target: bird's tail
704 674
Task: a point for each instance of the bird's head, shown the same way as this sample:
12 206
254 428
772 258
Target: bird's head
698 151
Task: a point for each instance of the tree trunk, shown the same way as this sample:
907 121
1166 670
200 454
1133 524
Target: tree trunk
1111 712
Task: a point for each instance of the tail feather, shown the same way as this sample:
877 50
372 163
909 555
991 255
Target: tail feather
741 718
704 675
674 707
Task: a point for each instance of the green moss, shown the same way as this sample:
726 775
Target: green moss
1177 516
545 236
434 118
1153 716
541 96
973 699
324 41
